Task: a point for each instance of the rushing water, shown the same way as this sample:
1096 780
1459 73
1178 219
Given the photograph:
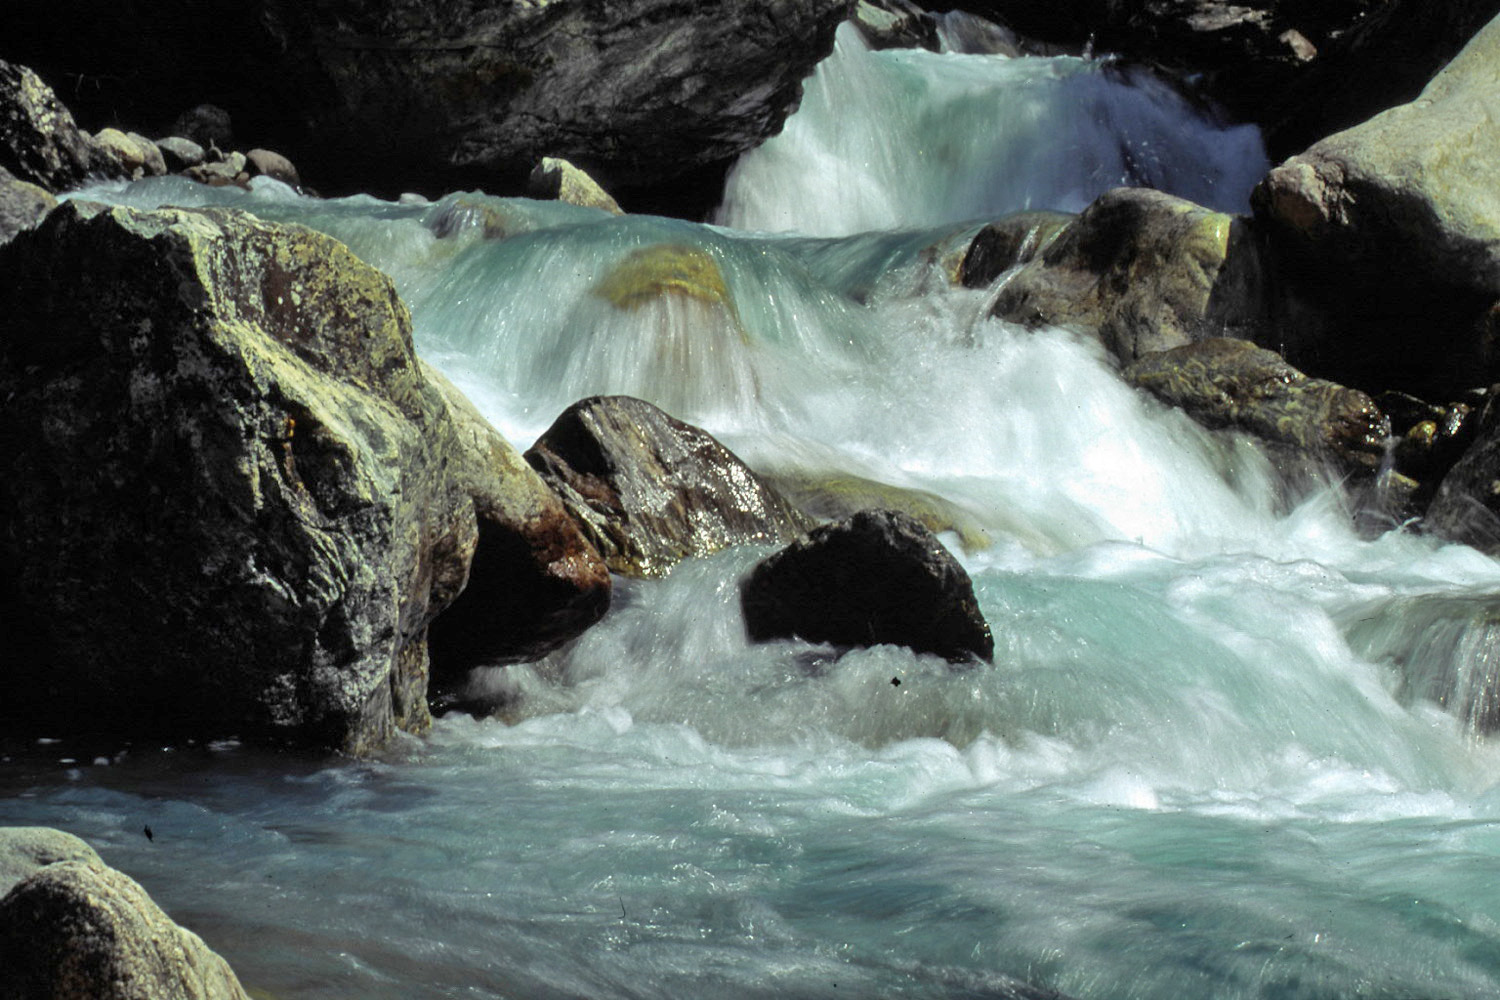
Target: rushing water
1192 771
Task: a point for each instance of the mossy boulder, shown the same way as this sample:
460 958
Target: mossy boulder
558 179
650 490
231 499
22 204
837 496
39 141
1141 270
1232 384
665 269
1390 233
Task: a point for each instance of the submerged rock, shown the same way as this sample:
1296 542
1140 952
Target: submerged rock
39 141
231 498
1224 383
878 577
648 274
1390 231
77 929
1141 270
650 490
1005 243
557 179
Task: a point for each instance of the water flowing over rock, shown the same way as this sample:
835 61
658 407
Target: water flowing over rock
876 577
1390 234
1015 239
231 496
39 141
650 490
1225 383
403 95
1143 271
76 929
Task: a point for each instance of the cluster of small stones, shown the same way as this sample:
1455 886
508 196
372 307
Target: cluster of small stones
135 156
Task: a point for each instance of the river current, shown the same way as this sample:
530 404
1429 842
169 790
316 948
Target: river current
1194 770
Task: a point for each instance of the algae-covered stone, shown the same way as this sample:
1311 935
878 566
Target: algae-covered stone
233 502
39 141
22 204
76 930
650 490
648 274
1143 271
556 178
1225 383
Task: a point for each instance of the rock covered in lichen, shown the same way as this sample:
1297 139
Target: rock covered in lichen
39 141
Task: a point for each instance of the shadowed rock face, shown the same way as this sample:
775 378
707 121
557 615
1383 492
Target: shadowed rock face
232 502
39 141
416 94
1390 234
650 490
876 577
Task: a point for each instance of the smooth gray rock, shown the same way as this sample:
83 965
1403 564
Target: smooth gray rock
180 153
26 850
22 205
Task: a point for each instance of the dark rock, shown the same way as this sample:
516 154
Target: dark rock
535 581
222 173
1467 506
1141 270
650 490
400 95
1390 232
1015 239
895 24
207 125
877 577
559 180
39 142
75 929
264 163
1442 648
1233 384
180 153
22 205
26 850
232 503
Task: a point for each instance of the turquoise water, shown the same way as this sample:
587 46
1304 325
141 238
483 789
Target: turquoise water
1191 771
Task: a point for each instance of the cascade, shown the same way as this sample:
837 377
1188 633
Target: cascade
1193 770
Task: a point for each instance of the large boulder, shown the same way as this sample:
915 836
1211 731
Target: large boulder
227 490
878 577
1232 384
1390 233
76 929
39 141
400 95
22 204
650 490
26 850
1141 270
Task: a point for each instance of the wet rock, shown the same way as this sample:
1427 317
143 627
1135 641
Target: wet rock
650 490
557 179
647 274
399 95
26 850
1015 239
834 497
878 577
230 496
1442 648
1143 271
1223 383
1467 506
535 581
76 929
22 205
39 141
180 153
895 24
1390 231
265 163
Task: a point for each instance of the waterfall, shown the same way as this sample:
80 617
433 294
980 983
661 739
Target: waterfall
1193 771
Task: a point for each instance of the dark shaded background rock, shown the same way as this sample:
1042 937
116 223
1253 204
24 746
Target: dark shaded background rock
1223 383
232 503
75 930
418 95
650 490
1467 506
876 577
1390 233
39 141
1143 271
